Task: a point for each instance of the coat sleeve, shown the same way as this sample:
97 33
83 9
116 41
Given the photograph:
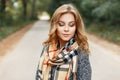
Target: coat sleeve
84 68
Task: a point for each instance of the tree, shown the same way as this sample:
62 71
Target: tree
56 3
33 9
24 8
2 10
108 11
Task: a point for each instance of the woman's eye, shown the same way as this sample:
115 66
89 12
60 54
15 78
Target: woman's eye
61 24
71 25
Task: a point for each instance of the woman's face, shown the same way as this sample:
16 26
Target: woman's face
66 27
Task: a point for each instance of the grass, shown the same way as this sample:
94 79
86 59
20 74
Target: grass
111 33
7 30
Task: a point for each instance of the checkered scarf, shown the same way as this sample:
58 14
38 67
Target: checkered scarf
64 59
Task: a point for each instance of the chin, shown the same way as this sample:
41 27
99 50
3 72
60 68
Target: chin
66 39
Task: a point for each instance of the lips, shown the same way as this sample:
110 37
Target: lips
66 35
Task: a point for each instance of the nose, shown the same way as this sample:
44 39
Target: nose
66 29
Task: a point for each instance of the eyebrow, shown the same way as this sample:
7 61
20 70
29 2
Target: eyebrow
72 21
63 21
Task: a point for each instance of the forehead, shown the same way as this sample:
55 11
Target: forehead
67 17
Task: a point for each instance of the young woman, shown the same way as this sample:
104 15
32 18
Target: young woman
65 55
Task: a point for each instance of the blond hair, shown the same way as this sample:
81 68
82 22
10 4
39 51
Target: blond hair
80 32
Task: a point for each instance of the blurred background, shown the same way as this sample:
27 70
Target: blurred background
101 17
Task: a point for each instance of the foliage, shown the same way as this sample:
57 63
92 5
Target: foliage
108 11
8 30
110 33
55 4
13 11
13 15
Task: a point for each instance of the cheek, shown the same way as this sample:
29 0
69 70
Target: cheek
73 30
58 31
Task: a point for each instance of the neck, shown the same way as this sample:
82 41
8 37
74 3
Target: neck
62 43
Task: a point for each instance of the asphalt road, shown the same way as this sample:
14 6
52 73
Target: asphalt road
21 63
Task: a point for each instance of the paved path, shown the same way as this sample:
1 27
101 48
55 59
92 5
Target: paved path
105 63
21 63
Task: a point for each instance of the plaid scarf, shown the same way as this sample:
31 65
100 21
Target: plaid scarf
64 59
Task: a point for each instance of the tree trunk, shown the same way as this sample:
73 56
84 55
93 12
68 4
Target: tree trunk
3 6
2 10
24 8
33 9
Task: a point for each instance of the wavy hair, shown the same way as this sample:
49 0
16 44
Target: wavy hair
80 31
